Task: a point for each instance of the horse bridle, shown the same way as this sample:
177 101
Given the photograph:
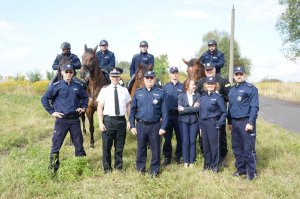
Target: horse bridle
88 69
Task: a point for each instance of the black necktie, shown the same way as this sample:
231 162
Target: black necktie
117 108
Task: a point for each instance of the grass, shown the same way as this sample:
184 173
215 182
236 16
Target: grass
24 151
280 90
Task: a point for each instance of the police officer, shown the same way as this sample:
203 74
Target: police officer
66 52
113 104
68 101
223 89
105 57
242 114
148 120
172 90
143 58
212 55
212 113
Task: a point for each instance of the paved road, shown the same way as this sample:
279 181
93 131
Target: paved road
283 113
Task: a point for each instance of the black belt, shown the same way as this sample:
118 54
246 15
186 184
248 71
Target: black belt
147 123
117 117
212 118
71 116
241 119
173 112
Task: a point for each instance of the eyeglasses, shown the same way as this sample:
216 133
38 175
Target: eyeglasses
69 71
238 74
208 69
115 76
149 77
103 45
175 72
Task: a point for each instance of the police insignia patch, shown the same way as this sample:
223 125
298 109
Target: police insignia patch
155 101
239 98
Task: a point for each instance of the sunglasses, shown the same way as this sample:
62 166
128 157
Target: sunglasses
69 71
149 77
238 74
103 45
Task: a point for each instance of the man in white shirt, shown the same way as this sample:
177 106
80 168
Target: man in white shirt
113 104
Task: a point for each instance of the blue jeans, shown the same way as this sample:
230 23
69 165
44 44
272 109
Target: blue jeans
189 134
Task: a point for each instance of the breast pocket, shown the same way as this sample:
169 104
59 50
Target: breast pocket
213 105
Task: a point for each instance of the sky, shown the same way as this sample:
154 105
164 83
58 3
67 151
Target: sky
32 31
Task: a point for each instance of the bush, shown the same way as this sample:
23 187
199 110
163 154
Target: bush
34 76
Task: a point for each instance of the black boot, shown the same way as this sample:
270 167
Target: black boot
54 162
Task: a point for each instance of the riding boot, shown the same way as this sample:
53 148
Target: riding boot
54 162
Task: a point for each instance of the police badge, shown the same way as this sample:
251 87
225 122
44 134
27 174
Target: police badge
155 101
239 98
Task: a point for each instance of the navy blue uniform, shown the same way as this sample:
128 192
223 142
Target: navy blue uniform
242 109
66 99
147 108
216 57
212 117
106 60
224 87
172 91
141 58
75 61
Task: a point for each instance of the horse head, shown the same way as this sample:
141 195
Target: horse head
195 68
89 63
139 75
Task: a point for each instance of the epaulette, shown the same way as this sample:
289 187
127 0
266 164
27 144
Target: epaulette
250 85
136 55
138 89
111 53
75 81
160 89
55 83
217 93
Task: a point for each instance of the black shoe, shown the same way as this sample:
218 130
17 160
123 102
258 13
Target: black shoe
222 162
178 160
154 175
237 174
166 162
107 171
215 169
206 168
121 170
141 172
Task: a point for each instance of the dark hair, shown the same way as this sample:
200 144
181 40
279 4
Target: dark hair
186 84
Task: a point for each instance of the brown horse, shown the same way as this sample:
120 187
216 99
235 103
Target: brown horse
195 69
139 78
91 73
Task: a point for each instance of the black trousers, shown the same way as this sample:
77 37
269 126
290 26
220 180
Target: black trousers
115 134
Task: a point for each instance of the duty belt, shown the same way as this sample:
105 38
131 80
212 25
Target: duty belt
241 119
147 123
71 116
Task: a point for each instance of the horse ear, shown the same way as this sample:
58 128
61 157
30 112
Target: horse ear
140 66
85 47
95 48
185 61
150 67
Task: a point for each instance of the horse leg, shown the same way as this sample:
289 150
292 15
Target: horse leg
91 122
82 116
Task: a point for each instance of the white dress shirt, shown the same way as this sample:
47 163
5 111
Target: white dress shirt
106 97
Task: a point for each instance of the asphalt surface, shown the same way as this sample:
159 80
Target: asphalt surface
283 113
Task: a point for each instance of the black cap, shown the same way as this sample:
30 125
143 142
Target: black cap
149 74
173 69
66 67
209 66
210 80
239 69
116 71
103 42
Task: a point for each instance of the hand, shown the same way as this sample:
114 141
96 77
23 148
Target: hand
57 114
196 104
80 110
249 127
161 132
229 127
133 131
128 126
180 108
102 127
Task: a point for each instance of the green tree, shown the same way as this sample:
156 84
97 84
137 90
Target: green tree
161 64
19 77
50 75
34 76
223 40
288 24
125 65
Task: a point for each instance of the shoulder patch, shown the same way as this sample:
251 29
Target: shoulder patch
138 89
55 83
227 85
250 85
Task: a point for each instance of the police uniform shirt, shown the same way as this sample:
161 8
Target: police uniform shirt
172 91
142 58
106 97
75 61
213 106
243 102
149 106
216 57
106 59
65 97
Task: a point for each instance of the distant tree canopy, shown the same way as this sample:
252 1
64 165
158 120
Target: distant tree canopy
161 65
288 24
223 40
125 65
34 76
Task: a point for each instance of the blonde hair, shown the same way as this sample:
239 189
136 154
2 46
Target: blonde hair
216 88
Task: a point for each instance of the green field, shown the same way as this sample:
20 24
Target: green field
25 142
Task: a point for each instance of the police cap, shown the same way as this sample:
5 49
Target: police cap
210 80
239 69
149 74
66 67
209 66
173 69
116 71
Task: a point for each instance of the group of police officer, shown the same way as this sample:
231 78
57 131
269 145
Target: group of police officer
153 111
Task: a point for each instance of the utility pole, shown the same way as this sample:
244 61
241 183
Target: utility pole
231 58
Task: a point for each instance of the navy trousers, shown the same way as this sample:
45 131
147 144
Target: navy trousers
189 135
223 142
210 142
148 134
115 134
173 124
61 128
243 146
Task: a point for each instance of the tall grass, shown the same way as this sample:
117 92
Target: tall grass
25 144
280 90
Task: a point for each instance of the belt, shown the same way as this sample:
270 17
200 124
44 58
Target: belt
241 119
71 116
117 117
173 111
147 123
212 118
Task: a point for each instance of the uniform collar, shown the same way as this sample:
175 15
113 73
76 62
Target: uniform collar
66 83
238 85
145 53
